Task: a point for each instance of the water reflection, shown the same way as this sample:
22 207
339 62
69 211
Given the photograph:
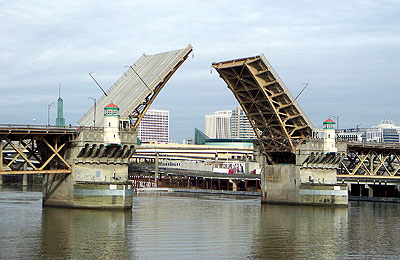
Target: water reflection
182 226
85 234
292 232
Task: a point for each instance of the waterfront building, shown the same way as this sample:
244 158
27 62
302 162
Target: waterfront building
385 131
154 126
350 136
218 125
240 125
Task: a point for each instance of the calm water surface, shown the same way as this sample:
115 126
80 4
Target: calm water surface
184 226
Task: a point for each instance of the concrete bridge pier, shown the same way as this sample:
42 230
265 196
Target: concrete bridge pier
99 174
310 181
1 179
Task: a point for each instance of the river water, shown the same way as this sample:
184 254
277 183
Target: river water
193 226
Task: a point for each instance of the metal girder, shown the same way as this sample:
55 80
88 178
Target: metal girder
28 153
278 121
371 161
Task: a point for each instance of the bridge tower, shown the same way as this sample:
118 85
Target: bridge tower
111 124
329 136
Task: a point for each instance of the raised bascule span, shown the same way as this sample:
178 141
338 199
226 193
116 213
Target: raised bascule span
137 88
86 166
277 119
283 131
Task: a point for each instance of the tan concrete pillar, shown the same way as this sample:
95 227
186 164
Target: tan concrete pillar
234 187
1 179
246 171
156 166
25 180
370 191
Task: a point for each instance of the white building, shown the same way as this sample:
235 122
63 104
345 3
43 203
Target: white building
329 136
111 124
385 131
349 136
240 125
218 125
154 126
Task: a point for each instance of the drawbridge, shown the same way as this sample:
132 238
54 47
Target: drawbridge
138 87
26 149
277 119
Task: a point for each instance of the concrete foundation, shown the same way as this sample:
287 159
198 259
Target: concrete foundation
310 181
282 184
99 177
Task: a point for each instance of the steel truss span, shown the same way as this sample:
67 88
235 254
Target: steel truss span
137 88
371 161
277 119
34 150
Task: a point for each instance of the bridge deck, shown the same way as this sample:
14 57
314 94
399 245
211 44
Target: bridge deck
137 88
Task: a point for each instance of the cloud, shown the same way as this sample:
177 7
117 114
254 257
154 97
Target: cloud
349 53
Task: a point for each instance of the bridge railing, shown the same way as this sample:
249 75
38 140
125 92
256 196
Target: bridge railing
20 126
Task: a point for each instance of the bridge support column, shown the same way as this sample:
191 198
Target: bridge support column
247 165
25 176
234 186
1 179
370 191
156 162
25 180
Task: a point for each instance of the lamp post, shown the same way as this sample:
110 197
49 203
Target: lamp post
48 112
337 120
94 112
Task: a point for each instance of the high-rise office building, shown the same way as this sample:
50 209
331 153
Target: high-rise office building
229 124
154 126
218 125
385 131
240 125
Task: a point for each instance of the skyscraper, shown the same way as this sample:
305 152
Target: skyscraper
240 125
154 126
60 121
218 125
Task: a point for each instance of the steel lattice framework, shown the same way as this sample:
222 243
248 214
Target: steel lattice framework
29 150
278 121
371 160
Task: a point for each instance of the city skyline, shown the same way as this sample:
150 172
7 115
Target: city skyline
349 53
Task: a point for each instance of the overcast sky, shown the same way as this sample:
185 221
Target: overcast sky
348 52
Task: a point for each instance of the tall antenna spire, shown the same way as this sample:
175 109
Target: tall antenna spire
59 89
